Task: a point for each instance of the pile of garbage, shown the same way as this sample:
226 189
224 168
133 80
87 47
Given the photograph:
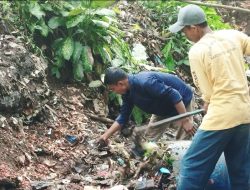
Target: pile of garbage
139 27
49 132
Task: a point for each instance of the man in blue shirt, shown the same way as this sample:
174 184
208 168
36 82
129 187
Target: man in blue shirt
161 94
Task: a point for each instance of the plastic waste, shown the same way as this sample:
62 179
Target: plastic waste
72 139
164 174
150 146
143 184
120 161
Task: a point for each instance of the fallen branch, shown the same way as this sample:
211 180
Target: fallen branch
102 119
49 108
152 68
217 6
55 113
140 168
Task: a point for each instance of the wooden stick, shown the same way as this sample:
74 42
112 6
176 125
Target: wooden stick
55 113
217 6
49 108
102 119
175 118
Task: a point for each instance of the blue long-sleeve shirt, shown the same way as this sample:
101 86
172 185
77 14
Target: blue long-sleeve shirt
155 93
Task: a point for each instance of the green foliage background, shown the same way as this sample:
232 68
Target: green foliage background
176 48
73 32
86 35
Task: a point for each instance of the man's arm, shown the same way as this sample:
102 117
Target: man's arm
158 89
121 120
186 123
114 128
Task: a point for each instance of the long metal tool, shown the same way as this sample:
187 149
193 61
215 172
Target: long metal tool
175 118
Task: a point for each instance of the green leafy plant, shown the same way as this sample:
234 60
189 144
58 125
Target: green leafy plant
139 115
175 50
214 20
169 160
116 98
176 47
75 33
5 14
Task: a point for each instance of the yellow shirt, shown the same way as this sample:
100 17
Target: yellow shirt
217 67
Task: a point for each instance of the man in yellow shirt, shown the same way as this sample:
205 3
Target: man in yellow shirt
217 66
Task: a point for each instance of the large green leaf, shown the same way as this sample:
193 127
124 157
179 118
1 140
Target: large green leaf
170 63
166 49
78 71
87 68
183 62
169 60
79 31
95 84
109 19
106 54
72 22
44 29
76 11
68 48
57 44
77 52
36 10
47 7
101 3
55 22
117 62
116 98
55 71
117 51
64 13
105 12
101 23
115 30
86 57
137 115
59 61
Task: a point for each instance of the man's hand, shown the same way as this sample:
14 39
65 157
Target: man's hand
205 106
187 125
102 142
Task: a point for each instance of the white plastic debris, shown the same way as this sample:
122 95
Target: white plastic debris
139 52
248 73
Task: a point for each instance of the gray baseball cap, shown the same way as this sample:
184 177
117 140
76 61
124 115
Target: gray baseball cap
188 15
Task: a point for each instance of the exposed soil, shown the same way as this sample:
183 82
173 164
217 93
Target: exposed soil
240 20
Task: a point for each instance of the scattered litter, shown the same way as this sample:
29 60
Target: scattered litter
38 185
72 139
145 184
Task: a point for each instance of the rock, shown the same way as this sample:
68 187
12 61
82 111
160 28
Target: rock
91 188
118 187
22 159
145 184
38 185
21 74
